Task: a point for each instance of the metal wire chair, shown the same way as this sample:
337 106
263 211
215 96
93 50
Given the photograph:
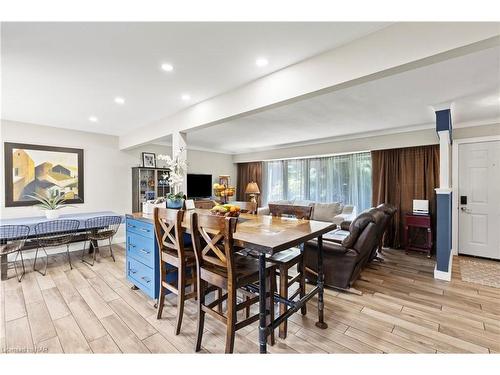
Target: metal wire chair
12 238
54 233
100 228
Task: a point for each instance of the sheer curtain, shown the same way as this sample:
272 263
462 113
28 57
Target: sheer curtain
341 178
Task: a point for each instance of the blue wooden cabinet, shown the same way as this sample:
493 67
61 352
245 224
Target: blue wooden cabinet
142 256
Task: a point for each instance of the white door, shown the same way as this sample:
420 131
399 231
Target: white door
479 199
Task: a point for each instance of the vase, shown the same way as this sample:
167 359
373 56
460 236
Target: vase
51 214
175 203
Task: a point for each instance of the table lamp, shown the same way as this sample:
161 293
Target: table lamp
253 190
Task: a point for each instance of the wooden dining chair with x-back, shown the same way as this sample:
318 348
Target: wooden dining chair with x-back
175 256
219 264
285 260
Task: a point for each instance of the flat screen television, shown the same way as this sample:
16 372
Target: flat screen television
199 185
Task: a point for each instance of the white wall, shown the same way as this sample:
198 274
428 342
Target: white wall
108 175
379 142
212 163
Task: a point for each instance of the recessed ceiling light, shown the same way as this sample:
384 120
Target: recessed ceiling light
93 119
261 62
119 100
185 97
167 67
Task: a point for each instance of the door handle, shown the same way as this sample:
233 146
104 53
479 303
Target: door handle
465 209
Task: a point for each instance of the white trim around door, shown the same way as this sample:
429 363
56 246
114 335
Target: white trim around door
454 179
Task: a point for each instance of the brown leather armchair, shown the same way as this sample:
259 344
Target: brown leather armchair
389 211
382 215
343 262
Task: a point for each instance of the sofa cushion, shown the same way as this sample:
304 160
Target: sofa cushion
305 203
326 211
282 202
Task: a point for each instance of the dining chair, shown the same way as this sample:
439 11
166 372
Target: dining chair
12 238
219 265
54 233
175 256
100 228
246 207
286 259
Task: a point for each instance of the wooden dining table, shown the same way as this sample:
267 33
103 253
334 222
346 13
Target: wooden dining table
269 235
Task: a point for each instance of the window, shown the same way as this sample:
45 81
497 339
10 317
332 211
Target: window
341 178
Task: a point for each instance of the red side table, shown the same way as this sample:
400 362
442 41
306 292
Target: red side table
422 223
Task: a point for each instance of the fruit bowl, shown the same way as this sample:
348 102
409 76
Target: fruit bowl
228 210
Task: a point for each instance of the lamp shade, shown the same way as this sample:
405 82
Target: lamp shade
252 188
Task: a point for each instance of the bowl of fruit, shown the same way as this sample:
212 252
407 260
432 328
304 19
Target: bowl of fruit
226 210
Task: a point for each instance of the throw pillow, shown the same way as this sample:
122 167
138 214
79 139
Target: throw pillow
326 211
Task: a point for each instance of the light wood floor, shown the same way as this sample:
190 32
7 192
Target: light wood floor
402 310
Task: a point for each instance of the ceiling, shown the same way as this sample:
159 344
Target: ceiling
60 74
471 82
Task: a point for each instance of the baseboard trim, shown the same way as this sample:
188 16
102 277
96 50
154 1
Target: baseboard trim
444 275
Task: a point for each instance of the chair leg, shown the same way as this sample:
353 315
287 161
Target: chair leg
93 254
201 313
194 284
111 250
69 258
46 262
161 297
302 284
231 319
247 309
218 295
19 278
181 297
83 250
34 260
283 294
272 290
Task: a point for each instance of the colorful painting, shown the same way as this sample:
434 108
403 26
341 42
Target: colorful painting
42 170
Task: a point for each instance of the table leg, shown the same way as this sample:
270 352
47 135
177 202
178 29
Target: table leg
93 246
3 266
262 304
321 278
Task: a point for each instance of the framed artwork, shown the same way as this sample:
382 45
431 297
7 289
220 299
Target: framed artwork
148 160
45 170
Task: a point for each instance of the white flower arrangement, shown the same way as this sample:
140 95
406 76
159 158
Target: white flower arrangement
178 168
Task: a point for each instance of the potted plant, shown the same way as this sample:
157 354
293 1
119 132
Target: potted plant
51 204
175 200
178 168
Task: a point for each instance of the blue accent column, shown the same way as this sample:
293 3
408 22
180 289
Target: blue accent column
444 197
443 235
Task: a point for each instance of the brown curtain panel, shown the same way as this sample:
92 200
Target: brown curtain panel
248 172
401 175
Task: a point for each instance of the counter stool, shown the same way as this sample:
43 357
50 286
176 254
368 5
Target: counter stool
12 238
52 234
100 228
175 255
286 259
218 264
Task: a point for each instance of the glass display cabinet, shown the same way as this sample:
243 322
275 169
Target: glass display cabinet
148 184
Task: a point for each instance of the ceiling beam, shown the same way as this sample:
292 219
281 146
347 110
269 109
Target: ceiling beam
396 48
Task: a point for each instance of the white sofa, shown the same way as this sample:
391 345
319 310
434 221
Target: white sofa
334 212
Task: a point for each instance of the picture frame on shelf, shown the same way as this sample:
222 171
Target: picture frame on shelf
148 160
